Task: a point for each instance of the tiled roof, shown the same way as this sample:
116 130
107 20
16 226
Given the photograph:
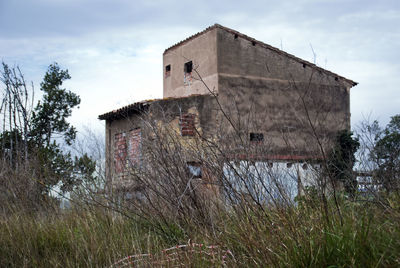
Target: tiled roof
259 43
139 107
136 107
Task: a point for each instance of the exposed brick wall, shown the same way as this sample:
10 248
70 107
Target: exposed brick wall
187 124
127 150
134 147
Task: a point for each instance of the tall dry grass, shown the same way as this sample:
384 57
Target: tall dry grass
297 236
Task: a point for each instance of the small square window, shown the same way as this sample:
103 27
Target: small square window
194 169
188 67
256 137
167 70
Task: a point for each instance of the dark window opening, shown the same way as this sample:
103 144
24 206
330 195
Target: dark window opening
253 43
188 67
304 65
194 169
256 137
336 78
236 36
168 70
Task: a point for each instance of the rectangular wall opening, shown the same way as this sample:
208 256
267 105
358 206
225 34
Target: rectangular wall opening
194 169
168 70
188 67
256 137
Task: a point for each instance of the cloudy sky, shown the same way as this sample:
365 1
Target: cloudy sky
113 48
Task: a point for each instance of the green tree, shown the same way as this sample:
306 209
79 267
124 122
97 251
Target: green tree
342 159
33 144
387 155
49 119
50 126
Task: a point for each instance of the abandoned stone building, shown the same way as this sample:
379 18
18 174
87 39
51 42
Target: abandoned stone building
220 83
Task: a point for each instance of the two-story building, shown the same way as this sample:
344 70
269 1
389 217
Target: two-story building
226 86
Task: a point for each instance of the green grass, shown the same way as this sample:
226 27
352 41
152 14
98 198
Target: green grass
369 236
72 239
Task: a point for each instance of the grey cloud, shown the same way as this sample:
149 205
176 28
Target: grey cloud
35 18
357 37
53 18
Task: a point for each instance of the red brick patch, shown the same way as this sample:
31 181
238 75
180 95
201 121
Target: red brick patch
134 150
127 150
187 124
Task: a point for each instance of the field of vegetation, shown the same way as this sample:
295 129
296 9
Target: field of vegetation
368 235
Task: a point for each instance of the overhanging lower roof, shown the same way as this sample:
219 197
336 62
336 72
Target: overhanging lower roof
140 107
124 111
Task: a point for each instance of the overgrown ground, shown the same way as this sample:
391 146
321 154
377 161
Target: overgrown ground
367 236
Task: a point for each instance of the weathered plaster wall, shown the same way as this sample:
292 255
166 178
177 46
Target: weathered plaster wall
204 107
290 104
202 51
241 57
165 113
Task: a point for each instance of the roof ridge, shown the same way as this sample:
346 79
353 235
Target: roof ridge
193 36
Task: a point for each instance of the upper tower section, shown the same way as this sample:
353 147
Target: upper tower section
219 54
188 61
